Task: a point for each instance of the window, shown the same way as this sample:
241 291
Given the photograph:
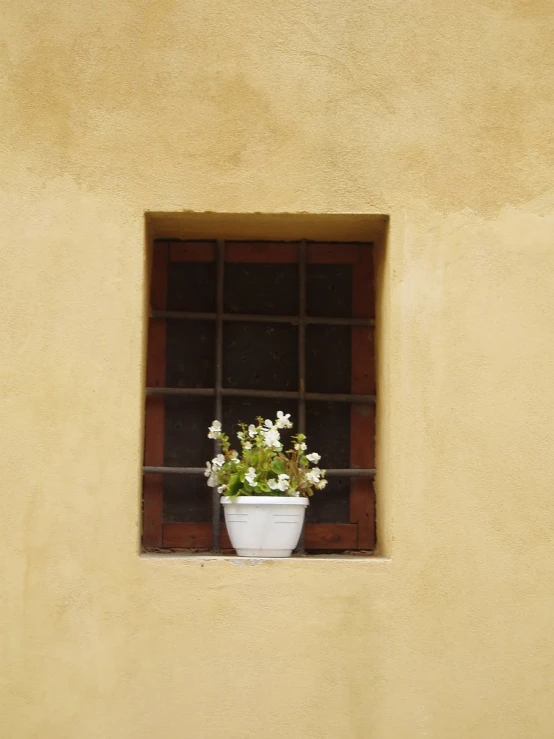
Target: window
239 329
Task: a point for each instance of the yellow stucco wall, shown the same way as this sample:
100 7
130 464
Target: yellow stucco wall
436 112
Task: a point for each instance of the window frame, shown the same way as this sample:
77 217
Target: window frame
359 533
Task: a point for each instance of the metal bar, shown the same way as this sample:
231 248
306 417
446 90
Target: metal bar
302 338
260 318
149 469
216 507
154 470
227 392
239 393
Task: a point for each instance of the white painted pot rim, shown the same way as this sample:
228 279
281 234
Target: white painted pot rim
265 499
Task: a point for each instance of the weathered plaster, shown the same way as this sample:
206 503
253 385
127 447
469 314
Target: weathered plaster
436 113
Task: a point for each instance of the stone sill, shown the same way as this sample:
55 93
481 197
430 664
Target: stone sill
252 561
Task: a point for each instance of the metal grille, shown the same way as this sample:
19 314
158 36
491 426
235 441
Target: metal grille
218 392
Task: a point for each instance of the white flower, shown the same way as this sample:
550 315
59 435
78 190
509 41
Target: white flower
218 461
212 469
211 473
215 430
300 447
321 484
251 431
268 423
313 457
241 435
282 483
313 476
247 445
294 493
272 438
234 457
221 489
283 420
250 477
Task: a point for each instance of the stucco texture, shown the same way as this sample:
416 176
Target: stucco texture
436 112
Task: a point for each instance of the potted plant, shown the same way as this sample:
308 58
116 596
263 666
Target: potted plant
264 490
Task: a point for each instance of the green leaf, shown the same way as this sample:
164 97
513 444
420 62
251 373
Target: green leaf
234 485
278 466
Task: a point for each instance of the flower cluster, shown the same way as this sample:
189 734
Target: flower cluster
263 468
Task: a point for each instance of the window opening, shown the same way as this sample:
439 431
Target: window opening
240 329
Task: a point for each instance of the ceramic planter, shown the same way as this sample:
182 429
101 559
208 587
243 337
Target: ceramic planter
264 525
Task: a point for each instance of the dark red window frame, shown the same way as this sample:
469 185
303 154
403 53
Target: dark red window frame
359 532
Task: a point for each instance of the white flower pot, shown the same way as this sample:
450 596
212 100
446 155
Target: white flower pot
264 525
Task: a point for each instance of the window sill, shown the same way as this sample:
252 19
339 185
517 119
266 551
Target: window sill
252 561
